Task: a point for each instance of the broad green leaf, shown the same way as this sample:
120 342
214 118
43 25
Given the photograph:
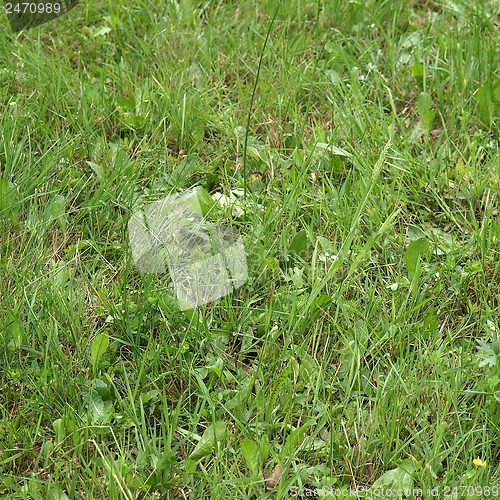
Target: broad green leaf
361 335
413 252
295 439
206 445
99 402
424 103
101 31
8 200
135 481
54 492
325 243
15 331
102 389
190 466
251 454
396 479
99 347
319 305
427 115
334 76
485 104
58 426
100 411
56 210
272 264
265 447
299 243
418 71
97 170
240 132
495 96
431 320
334 150
125 103
427 120
60 273
205 200
217 368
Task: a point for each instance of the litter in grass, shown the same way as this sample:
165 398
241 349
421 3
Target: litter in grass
205 261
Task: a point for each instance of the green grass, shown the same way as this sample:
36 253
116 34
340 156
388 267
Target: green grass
351 351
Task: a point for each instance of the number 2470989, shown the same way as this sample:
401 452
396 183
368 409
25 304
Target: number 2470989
33 8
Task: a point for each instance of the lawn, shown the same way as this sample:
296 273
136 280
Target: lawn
355 147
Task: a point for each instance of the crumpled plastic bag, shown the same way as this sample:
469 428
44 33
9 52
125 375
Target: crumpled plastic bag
204 261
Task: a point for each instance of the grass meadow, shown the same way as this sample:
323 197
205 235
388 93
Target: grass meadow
355 147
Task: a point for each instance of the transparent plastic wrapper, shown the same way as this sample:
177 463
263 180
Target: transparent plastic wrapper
26 14
204 261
